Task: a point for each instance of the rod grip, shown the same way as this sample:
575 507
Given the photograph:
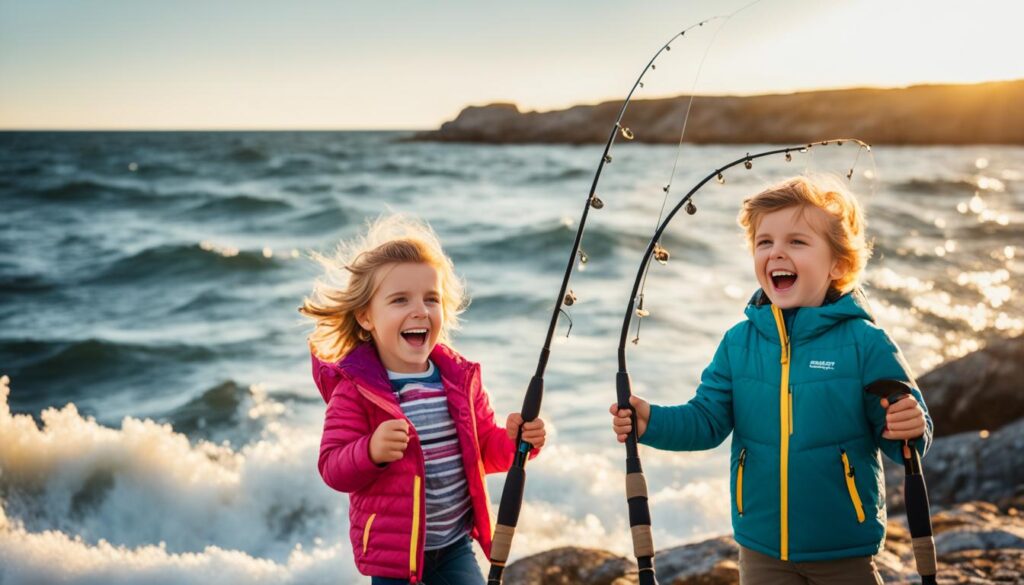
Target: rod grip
891 390
512 497
532 400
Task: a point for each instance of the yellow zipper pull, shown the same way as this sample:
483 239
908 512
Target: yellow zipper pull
739 482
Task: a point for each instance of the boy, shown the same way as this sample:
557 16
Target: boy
807 487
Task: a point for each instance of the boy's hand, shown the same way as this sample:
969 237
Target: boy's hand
904 419
533 431
389 441
620 418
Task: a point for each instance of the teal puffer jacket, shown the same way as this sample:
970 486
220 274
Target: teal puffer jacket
807 481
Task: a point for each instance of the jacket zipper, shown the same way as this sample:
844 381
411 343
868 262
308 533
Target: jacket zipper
366 531
739 481
785 412
414 538
851 485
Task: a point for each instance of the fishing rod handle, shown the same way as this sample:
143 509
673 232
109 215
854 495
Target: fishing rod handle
508 517
532 400
919 517
636 491
889 389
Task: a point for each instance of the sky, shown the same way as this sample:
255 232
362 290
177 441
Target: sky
402 64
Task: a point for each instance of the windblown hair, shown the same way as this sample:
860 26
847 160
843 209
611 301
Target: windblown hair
353 274
843 228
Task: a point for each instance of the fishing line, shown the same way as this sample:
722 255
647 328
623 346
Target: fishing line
515 479
661 254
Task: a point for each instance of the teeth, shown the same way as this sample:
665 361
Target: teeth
782 273
415 331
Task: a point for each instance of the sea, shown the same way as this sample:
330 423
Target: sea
158 418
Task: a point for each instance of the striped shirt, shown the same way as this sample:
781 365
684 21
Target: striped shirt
448 507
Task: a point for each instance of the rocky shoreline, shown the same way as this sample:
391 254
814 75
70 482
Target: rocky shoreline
975 476
983 113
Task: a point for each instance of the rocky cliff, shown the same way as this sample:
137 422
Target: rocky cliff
984 113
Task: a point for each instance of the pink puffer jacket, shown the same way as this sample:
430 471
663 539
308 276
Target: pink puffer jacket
386 504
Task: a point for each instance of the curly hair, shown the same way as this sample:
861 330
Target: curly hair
843 229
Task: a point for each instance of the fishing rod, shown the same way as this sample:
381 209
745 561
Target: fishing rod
915 493
515 480
636 484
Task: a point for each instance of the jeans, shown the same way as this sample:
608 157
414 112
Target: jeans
454 564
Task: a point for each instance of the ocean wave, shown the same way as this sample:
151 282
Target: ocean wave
55 369
59 354
247 154
550 243
230 412
91 190
194 262
328 219
205 300
411 169
24 283
238 205
935 186
558 174
80 500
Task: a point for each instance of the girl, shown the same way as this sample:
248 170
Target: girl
808 492
409 431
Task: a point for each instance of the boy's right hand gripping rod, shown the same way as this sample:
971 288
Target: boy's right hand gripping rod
915 494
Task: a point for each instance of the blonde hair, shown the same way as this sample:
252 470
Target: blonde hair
352 276
844 225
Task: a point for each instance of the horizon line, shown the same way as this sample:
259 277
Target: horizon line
554 109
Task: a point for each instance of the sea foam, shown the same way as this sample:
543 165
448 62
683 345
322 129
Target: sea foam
86 503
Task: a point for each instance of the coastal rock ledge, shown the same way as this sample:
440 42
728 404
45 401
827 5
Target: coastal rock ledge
977 543
983 113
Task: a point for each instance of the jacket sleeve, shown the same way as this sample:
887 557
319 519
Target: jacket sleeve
345 462
703 422
496 448
883 360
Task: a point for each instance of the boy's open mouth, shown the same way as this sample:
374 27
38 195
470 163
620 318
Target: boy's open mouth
415 337
783 279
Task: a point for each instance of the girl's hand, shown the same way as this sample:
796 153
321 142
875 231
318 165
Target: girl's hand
620 418
903 420
389 441
533 431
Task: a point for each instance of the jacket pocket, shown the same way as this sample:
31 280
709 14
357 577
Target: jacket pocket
739 481
366 531
851 485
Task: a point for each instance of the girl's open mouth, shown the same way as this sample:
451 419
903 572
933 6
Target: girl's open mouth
415 337
783 279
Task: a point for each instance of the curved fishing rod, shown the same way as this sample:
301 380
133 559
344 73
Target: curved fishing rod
636 484
515 480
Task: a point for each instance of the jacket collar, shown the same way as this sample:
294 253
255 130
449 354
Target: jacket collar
364 366
809 322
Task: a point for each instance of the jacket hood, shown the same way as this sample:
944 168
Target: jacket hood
809 321
363 365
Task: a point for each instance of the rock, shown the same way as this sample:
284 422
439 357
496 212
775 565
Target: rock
978 391
967 467
572 566
711 562
976 542
924 114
